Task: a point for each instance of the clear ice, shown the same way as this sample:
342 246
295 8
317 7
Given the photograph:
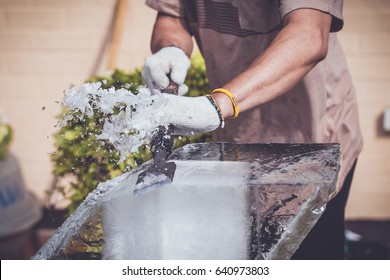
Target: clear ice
226 201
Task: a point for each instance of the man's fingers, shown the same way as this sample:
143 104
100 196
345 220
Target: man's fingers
179 72
159 77
183 89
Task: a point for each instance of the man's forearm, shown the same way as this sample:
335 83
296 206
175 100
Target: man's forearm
170 31
299 46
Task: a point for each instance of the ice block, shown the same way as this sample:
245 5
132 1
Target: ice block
226 201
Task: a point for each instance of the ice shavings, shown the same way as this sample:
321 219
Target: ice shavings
129 119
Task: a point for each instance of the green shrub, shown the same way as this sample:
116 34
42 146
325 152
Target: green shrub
81 161
5 138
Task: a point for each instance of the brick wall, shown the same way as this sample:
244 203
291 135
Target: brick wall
47 45
366 42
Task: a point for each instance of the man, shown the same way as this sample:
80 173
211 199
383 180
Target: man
280 76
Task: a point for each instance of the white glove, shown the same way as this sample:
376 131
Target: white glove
191 115
170 61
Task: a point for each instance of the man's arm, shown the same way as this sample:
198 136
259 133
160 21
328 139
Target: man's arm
298 47
170 31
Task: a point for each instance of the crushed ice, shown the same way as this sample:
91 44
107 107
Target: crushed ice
128 119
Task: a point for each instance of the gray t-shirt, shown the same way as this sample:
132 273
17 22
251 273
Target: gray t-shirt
322 108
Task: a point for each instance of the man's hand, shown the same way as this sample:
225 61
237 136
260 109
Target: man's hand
168 63
190 115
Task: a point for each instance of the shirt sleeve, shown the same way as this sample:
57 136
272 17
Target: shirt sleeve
332 7
170 7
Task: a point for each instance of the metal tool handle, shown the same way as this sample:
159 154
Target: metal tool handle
162 142
172 88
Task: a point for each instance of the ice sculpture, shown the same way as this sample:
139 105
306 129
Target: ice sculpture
226 201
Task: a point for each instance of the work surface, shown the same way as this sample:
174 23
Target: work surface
226 201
